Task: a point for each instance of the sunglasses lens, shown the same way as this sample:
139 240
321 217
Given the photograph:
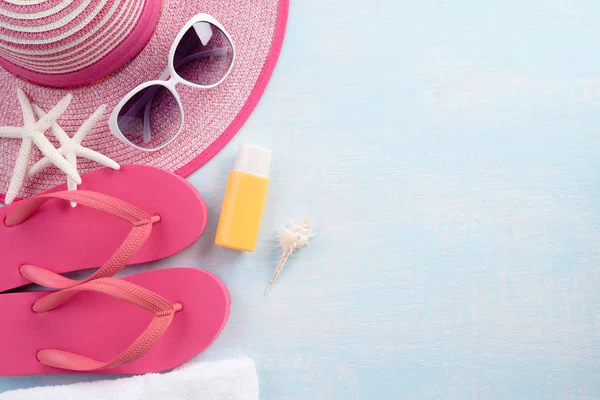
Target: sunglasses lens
204 55
150 118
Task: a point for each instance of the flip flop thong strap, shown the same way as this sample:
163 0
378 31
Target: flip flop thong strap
141 226
162 309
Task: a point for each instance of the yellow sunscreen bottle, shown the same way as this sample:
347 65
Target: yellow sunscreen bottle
244 200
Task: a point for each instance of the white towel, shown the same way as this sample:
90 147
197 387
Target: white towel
222 380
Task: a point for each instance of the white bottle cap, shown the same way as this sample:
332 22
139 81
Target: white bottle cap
253 160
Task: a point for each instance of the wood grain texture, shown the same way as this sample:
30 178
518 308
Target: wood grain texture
447 154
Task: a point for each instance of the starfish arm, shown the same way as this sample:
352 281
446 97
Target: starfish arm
39 166
87 126
55 157
71 184
20 171
57 131
28 117
11 132
57 111
96 156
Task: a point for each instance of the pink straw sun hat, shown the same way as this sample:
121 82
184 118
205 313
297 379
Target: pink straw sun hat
100 50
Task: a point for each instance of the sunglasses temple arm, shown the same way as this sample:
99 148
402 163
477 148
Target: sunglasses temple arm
145 99
152 93
147 122
146 102
218 52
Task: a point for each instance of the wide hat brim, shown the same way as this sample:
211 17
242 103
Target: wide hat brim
212 117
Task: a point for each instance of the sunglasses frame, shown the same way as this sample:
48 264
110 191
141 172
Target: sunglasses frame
171 79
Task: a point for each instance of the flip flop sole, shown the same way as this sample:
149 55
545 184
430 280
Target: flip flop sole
64 239
100 326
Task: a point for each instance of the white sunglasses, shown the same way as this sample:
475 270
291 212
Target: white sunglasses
151 115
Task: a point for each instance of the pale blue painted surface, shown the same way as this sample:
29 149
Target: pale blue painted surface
448 157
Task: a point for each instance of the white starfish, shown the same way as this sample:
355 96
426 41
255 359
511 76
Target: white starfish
32 133
71 148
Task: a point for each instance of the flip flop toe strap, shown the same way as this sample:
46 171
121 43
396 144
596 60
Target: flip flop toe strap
141 226
162 309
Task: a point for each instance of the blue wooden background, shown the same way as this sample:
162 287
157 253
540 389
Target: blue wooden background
448 156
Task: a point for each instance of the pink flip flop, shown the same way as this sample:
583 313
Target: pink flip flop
135 215
148 322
